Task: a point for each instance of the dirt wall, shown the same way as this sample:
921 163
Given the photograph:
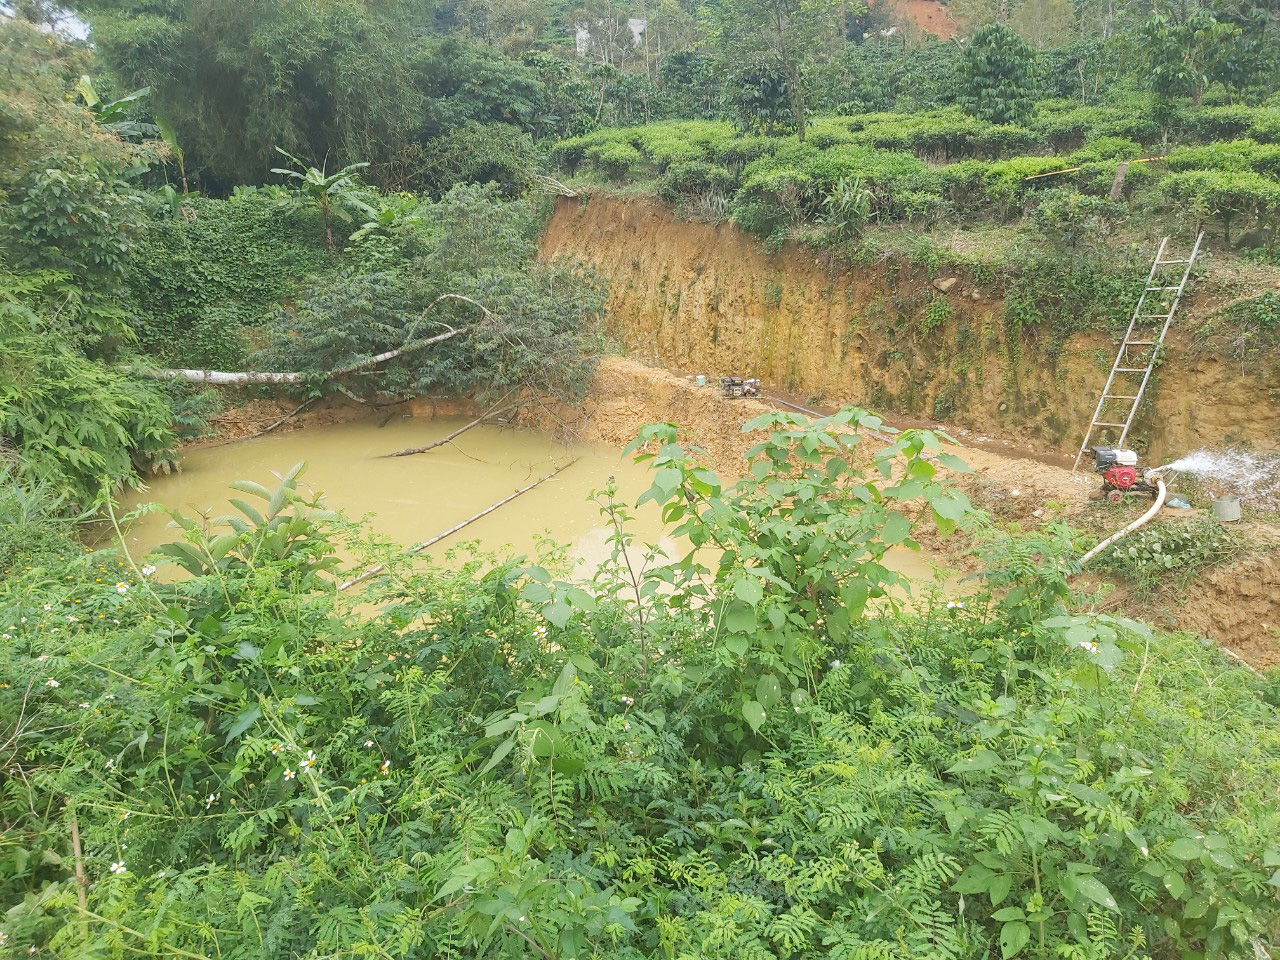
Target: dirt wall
711 299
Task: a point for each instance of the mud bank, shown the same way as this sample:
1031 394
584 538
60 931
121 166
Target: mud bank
698 298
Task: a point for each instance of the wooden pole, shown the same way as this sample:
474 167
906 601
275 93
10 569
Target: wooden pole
457 433
419 547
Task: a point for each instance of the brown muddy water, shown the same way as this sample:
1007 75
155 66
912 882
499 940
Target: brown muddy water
411 499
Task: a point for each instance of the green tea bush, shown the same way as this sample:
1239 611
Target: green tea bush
615 159
694 179
757 758
1228 195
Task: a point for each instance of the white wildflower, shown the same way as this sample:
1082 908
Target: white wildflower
1089 645
627 700
385 768
42 658
835 664
955 604
118 868
122 587
48 607
308 761
148 570
289 774
52 683
368 743
275 749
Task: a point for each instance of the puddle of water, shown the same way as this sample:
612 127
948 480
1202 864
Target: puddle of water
411 499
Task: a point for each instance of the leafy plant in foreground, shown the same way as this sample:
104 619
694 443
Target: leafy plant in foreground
482 759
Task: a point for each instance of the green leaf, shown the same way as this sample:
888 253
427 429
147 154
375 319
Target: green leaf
999 889
244 720
741 619
982 760
748 590
1186 848
558 613
1009 913
952 462
736 644
1093 888
1014 935
503 749
768 690
896 528
753 713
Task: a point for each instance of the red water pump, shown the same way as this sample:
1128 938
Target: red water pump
1119 469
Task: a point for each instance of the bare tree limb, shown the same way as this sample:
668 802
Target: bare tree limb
419 547
411 451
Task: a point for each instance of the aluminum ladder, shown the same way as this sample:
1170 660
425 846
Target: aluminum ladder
1139 350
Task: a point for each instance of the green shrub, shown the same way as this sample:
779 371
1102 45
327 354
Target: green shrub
1167 556
1229 195
1226 122
76 425
476 153
1075 220
200 279
694 178
614 159
1106 148
737 151
491 762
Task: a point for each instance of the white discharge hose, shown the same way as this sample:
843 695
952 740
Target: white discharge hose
1155 508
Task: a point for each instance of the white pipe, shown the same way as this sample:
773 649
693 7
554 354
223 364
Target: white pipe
1155 508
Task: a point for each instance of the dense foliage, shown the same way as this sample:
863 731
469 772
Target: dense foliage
944 163
761 757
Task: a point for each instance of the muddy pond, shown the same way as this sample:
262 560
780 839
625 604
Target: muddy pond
411 499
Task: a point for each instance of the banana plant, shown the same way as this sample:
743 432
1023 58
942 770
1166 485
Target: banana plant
113 114
171 140
330 193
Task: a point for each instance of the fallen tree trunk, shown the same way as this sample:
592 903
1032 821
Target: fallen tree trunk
257 376
231 377
419 547
411 451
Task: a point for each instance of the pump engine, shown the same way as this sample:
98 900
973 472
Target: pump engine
740 386
1120 476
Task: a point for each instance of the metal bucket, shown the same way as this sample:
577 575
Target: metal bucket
1225 509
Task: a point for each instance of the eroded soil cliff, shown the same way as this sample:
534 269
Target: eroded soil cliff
710 299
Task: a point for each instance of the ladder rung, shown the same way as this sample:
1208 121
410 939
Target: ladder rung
1099 423
1154 289
1153 316
1116 396
1163 262
1132 369
1139 343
